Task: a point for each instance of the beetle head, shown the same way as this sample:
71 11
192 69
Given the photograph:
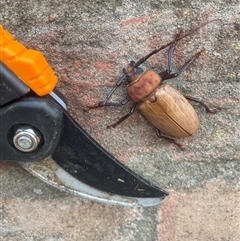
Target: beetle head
132 72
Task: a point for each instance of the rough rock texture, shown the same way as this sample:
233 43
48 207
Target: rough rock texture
88 43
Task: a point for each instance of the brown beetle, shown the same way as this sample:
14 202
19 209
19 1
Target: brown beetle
168 110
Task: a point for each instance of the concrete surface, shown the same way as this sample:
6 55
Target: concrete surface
88 43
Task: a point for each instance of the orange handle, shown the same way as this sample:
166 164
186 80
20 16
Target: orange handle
29 65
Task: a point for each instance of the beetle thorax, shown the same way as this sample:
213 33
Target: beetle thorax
143 86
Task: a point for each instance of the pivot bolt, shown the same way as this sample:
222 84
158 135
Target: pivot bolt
26 139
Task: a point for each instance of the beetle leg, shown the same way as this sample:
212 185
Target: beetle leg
160 135
119 82
166 73
170 58
122 103
124 117
183 68
208 110
103 103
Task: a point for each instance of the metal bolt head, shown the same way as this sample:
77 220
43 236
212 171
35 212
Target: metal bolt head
26 139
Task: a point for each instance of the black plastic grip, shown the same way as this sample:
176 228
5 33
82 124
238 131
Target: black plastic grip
42 114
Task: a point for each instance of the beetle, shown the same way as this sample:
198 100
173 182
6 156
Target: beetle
162 105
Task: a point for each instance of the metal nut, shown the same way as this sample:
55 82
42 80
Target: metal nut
26 139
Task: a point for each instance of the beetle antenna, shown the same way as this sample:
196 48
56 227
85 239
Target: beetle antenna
173 42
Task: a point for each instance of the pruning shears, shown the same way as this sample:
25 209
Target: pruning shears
37 131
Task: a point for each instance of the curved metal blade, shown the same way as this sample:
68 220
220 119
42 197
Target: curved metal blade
50 172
